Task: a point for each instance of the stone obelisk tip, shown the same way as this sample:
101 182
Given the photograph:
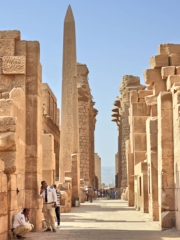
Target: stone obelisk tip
69 15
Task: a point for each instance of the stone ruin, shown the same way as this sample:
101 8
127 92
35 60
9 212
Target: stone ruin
148 119
20 128
31 138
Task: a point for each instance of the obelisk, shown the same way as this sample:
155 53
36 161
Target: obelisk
69 109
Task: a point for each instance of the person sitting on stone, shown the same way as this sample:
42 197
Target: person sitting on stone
21 225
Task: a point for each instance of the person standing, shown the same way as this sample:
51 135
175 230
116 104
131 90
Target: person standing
21 224
49 204
57 209
90 194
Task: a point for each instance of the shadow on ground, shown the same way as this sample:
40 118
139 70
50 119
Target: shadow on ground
99 221
94 234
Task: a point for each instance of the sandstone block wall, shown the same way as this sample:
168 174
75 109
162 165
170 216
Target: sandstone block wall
86 116
152 153
48 156
33 160
4 203
20 128
121 117
50 122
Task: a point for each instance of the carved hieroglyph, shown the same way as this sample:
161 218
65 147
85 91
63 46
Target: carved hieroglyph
68 90
14 65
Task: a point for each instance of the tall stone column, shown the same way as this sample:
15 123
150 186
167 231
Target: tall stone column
69 118
92 121
128 83
33 164
166 160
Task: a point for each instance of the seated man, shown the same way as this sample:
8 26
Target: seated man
21 225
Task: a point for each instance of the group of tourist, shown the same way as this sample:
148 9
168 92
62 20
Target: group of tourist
109 194
51 206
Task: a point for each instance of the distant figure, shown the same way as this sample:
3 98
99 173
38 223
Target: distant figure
87 194
90 194
57 209
49 204
99 194
21 225
112 194
95 193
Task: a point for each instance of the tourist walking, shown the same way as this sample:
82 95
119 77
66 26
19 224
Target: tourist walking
21 224
49 204
57 209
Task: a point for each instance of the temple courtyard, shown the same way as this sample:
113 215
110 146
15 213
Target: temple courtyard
106 219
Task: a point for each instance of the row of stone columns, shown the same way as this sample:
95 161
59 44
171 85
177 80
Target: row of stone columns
153 140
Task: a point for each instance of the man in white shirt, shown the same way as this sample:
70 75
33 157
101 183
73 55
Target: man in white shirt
21 225
49 204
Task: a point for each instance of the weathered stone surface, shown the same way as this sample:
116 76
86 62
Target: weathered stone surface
166 71
174 59
14 65
140 141
140 109
171 80
7 141
20 49
14 34
134 96
159 61
48 156
144 93
152 75
7 47
177 71
165 163
7 124
151 100
140 124
50 125
8 82
158 87
168 48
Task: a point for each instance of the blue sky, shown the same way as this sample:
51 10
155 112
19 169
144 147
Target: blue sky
114 38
